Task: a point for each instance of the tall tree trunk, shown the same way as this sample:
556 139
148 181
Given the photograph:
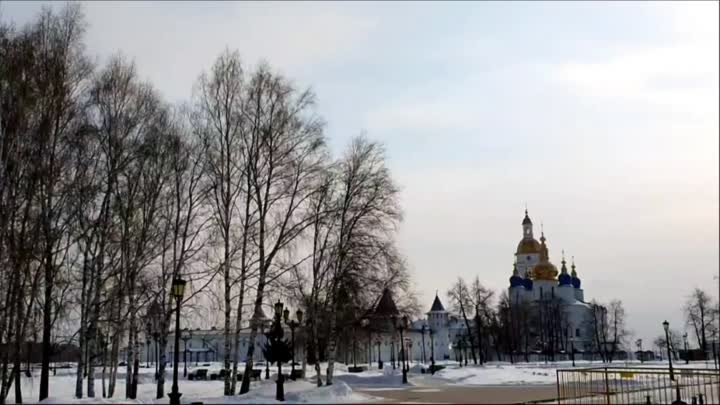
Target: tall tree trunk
236 340
245 386
161 367
91 368
228 311
47 324
332 348
81 363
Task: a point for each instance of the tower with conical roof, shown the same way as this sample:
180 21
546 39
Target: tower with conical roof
438 320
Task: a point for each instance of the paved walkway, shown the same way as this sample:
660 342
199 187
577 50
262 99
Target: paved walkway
485 394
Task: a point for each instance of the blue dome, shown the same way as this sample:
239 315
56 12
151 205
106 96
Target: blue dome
576 282
528 284
516 281
565 279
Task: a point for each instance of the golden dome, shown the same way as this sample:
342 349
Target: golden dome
544 271
528 246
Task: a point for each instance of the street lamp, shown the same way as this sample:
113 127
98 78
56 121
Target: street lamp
178 289
379 345
365 323
572 350
185 337
642 355
666 326
277 349
432 352
401 324
293 324
422 332
687 355
148 332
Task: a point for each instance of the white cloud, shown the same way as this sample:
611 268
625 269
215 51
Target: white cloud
682 74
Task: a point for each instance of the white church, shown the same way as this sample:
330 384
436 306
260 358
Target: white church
535 278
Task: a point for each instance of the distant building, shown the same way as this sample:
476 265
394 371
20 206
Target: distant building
419 344
535 281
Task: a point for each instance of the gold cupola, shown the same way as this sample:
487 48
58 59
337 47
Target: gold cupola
544 270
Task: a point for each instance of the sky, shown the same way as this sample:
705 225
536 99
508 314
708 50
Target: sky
601 117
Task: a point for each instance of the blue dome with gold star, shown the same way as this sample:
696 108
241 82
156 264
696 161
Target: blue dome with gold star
575 278
564 278
527 283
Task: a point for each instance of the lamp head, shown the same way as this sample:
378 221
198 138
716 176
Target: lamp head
666 325
278 308
286 315
178 288
299 315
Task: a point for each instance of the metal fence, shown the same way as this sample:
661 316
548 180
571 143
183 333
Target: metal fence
636 385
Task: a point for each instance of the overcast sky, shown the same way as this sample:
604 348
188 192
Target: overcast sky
602 117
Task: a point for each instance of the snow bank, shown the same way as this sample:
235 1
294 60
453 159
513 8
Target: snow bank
496 375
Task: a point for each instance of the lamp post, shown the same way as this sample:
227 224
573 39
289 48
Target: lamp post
178 289
277 350
293 324
687 355
148 333
572 350
409 354
642 355
401 324
365 323
666 326
185 337
432 352
380 363
267 363
422 332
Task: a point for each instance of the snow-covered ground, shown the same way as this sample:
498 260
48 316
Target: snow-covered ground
62 385
62 389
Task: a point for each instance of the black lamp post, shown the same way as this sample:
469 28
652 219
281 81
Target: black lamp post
380 363
365 323
666 326
687 355
293 324
392 351
401 324
277 350
422 331
178 289
148 333
432 352
267 363
185 337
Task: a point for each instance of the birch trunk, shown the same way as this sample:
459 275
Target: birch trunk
236 343
245 387
91 369
161 367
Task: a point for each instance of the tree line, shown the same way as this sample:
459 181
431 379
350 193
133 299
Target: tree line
108 193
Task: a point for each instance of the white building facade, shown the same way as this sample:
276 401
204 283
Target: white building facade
535 279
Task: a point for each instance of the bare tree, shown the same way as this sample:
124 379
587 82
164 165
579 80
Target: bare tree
700 316
285 147
219 120
462 302
368 213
